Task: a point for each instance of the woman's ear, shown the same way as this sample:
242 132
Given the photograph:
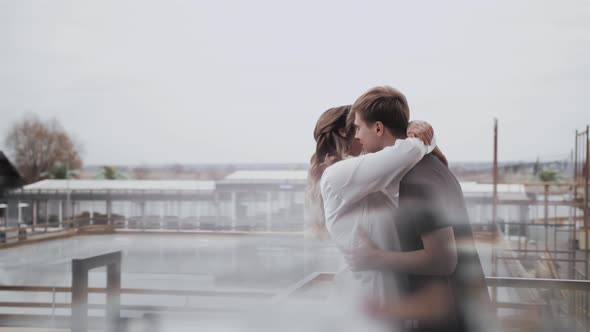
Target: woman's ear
342 132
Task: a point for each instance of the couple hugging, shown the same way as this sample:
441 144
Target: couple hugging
380 188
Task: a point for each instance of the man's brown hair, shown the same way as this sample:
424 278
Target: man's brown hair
386 105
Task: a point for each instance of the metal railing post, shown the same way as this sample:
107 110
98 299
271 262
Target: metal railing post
80 268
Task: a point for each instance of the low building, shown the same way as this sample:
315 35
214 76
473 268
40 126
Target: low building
244 200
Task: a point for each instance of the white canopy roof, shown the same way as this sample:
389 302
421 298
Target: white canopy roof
245 176
121 185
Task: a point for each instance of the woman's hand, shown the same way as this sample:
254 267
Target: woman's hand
422 130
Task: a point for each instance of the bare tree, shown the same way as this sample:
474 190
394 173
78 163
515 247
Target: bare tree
37 146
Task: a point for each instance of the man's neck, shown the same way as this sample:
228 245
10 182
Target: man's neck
390 139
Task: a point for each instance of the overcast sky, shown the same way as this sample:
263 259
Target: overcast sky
152 82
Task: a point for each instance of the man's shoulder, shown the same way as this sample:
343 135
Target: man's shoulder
432 175
430 167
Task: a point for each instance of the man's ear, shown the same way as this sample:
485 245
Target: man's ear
379 128
342 132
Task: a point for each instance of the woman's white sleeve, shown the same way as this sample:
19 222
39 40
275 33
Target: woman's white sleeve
354 178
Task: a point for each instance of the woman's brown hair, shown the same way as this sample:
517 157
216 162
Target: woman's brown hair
332 135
